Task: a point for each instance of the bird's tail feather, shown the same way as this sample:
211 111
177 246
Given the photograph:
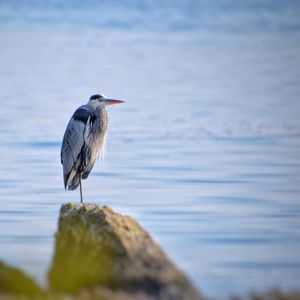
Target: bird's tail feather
72 181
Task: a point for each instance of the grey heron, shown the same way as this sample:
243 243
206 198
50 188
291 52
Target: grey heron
84 140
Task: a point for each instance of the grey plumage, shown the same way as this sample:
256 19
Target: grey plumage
84 140
82 143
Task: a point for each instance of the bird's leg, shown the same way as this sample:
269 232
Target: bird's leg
81 198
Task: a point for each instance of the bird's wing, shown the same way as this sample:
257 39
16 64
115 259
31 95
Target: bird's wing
74 140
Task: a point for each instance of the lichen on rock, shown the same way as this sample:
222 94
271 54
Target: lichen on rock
96 246
12 280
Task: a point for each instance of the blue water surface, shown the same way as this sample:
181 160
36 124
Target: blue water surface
205 153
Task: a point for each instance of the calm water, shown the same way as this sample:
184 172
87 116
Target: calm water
205 153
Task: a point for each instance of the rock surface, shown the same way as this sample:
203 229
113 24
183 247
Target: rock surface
99 248
12 280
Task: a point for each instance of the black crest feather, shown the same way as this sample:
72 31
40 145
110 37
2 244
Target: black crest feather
96 97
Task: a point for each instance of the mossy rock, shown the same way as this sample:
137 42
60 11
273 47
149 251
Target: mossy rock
96 246
14 281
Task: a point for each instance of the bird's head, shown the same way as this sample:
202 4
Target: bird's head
104 100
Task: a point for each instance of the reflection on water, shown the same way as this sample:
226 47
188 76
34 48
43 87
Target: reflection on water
205 153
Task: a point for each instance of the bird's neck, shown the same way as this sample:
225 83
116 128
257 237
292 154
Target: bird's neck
96 105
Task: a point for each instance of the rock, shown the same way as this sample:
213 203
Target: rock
14 281
113 256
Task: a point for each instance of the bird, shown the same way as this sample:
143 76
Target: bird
84 140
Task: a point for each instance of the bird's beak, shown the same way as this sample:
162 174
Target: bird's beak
113 101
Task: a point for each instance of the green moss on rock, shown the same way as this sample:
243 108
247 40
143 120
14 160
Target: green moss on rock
12 280
96 246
